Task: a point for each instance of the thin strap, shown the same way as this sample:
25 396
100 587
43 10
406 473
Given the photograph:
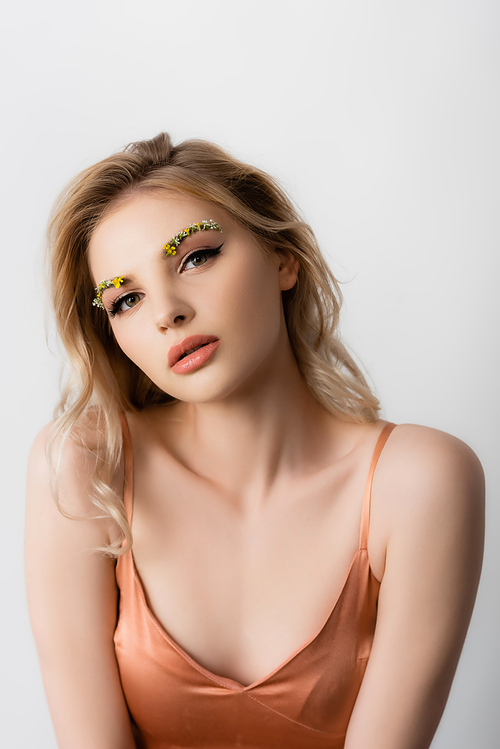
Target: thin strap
365 512
128 457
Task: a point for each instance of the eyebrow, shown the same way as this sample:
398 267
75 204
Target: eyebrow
106 284
171 247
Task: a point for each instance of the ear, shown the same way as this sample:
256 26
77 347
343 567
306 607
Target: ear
288 269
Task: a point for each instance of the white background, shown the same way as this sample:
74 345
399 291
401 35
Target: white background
380 118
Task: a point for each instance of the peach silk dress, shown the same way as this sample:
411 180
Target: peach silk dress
305 703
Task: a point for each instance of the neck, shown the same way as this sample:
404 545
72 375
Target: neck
260 438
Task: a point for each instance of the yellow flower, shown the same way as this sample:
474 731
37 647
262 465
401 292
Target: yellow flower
117 281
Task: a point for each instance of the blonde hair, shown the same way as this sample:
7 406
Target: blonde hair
104 381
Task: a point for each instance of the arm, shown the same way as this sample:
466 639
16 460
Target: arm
72 599
428 510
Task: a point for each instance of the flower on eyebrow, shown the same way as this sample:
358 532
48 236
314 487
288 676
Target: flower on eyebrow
171 247
116 282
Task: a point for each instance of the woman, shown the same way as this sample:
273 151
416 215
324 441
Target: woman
302 574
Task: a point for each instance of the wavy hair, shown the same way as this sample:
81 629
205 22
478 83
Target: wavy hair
103 381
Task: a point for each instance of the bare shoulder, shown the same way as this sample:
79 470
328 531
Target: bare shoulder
82 444
425 443
431 465
61 491
428 490
76 461
61 520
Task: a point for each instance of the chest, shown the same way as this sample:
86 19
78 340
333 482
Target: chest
241 591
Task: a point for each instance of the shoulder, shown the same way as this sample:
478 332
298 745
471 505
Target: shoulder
84 438
421 460
68 463
425 442
38 453
428 490
69 469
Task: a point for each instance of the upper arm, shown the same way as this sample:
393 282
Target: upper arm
72 600
429 496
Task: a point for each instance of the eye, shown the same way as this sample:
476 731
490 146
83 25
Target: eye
199 257
124 303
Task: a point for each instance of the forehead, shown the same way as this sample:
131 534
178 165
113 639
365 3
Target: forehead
139 226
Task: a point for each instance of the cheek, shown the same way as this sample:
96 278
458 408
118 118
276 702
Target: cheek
132 343
251 305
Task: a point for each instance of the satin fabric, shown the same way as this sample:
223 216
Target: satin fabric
305 703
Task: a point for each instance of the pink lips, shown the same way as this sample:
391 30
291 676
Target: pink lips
208 343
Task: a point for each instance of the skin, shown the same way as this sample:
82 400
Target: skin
275 489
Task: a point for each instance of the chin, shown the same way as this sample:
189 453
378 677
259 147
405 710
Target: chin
199 394
197 387
209 386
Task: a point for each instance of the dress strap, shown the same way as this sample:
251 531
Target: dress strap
128 457
365 512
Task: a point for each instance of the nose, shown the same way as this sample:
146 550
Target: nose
172 313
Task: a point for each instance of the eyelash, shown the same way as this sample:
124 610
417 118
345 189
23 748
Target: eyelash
209 252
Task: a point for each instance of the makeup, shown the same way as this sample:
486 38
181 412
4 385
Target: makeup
192 352
171 247
107 284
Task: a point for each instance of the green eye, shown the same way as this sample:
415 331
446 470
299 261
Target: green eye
196 260
130 300
124 303
199 257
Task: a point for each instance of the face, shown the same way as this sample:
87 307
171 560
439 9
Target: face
219 294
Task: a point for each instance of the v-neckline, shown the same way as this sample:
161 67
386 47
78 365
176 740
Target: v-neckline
225 681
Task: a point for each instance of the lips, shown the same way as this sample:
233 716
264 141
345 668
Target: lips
188 344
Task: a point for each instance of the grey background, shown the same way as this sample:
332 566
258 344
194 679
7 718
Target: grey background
381 119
